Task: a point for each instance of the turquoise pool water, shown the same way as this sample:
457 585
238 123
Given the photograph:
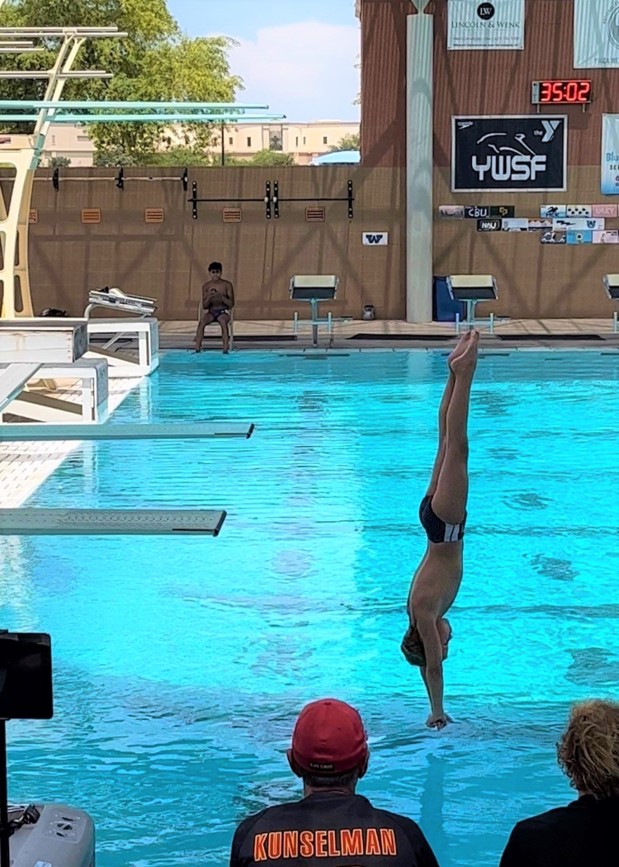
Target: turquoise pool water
180 664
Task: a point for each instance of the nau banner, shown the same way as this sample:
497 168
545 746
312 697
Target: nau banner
523 153
610 154
596 34
473 25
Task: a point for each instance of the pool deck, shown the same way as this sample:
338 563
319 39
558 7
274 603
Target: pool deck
396 334
25 466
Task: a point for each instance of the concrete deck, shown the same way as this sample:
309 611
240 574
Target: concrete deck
393 334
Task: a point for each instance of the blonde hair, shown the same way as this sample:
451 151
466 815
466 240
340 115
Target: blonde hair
588 751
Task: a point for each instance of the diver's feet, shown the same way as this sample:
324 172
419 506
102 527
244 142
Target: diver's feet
459 347
465 363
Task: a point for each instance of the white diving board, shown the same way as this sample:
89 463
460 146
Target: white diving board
56 432
108 522
13 380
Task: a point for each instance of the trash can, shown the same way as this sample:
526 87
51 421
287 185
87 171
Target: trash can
444 308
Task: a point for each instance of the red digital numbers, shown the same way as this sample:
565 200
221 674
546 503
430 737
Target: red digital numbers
564 92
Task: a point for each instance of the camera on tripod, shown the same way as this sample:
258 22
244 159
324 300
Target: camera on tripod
36 833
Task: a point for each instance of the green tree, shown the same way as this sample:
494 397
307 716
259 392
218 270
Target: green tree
155 62
347 143
59 162
271 158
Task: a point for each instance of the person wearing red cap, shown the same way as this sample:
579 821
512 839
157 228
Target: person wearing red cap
331 825
443 516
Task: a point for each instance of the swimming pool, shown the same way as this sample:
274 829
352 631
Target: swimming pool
181 664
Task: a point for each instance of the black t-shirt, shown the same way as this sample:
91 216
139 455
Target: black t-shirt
330 828
583 834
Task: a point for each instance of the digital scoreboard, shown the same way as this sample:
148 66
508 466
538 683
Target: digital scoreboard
561 92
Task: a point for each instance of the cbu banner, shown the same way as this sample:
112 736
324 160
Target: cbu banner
522 153
476 26
610 155
596 34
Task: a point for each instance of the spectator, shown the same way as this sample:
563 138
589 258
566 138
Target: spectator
331 825
583 833
217 304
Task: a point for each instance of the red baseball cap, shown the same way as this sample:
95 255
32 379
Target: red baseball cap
329 738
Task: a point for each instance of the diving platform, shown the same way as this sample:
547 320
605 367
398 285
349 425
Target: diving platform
47 340
111 522
59 432
122 364
49 392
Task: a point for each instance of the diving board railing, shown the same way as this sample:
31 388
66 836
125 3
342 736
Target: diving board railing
108 522
183 431
13 380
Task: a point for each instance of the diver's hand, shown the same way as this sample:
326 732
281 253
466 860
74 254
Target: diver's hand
438 721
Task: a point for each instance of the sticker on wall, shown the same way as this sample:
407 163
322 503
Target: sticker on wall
608 236
553 237
518 153
517 224
579 224
473 25
596 31
610 155
493 225
580 237
482 212
476 212
553 211
538 225
451 212
578 211
507 211
610 211
375 239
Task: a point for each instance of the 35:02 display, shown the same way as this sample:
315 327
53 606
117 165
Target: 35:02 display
577 92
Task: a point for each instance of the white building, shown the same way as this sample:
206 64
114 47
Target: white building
304 141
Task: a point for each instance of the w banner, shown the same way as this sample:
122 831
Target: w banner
610 154
473 25
523 153
596 34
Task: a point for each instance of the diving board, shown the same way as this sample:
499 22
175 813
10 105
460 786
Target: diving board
13 380
116 299
111 522
55 432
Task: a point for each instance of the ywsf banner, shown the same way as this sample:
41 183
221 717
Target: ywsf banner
610 154
596 34
523 153
476 26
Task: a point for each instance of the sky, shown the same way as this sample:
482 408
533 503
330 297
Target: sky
297 57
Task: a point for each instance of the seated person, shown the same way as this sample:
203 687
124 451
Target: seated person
583 832
331 825
217 302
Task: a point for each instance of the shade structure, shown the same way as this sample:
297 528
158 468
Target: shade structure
346 158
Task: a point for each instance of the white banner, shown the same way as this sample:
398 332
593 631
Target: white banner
596 34
473 25
610 154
